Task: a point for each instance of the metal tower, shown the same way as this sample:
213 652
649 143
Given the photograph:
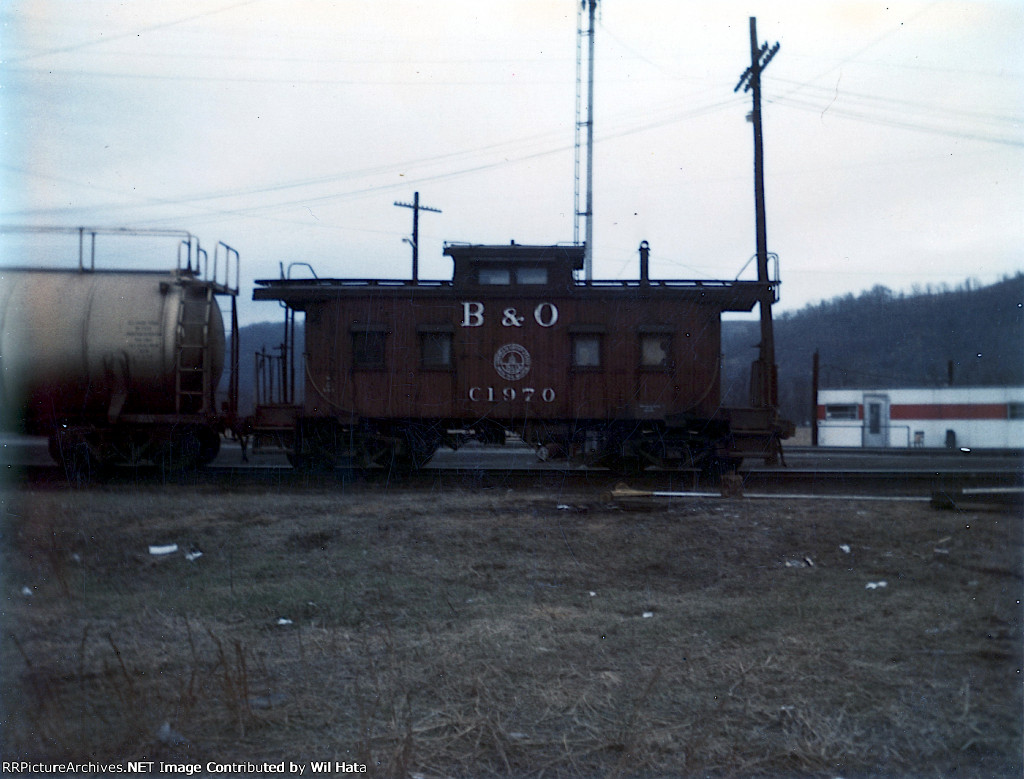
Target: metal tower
588 213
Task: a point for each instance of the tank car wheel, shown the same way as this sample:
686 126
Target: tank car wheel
181 451
209 446
72 451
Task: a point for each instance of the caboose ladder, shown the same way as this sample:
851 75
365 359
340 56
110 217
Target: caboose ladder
193 369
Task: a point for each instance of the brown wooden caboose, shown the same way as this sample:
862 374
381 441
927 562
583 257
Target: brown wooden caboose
626 373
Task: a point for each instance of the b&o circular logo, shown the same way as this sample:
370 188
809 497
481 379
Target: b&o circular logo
512 362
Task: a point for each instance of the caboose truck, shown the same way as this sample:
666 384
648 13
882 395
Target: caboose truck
625 374
126 369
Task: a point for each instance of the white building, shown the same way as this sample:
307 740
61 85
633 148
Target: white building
953 417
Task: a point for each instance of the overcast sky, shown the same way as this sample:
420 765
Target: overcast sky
287 129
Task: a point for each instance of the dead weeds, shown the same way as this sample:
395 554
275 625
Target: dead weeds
473 633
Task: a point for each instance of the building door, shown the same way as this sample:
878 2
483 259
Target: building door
876 420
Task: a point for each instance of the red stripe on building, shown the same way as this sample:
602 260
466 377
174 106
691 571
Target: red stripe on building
948 411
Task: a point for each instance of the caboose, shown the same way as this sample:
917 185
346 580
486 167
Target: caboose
624 374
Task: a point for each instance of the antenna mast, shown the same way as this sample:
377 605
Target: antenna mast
588 213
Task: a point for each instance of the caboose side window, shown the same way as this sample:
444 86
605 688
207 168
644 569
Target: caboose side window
1015 410
655 350
435 350
531 275
499 277
586 351
368 348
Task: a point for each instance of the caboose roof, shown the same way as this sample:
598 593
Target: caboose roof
559 260
570 254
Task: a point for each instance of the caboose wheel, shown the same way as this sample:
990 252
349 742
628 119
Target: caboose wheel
376 452
631 466
717 467
420 443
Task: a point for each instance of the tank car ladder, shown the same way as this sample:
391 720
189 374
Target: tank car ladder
193 376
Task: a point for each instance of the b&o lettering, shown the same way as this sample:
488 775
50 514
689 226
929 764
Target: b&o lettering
546 314
472 313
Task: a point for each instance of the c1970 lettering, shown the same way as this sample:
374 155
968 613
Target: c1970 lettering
509 394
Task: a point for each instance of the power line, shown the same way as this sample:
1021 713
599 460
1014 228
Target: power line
899 123
902 104
131 34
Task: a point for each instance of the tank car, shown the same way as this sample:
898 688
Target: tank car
119 365
624 374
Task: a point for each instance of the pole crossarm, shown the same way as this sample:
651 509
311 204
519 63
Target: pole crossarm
420 208
765 56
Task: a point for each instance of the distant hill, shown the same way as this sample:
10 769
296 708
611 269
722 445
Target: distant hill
879 339
886 339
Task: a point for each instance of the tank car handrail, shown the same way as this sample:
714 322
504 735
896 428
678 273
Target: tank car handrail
92 232
229 252
157 232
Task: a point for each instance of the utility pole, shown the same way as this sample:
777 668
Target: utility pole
415 242
764 384
815 380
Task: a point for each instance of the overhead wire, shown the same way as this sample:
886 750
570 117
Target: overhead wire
902 123
664 117
131 34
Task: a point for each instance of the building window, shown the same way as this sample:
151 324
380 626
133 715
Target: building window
841 411
655 350
531 275
586 351
436 350
499 277
368 348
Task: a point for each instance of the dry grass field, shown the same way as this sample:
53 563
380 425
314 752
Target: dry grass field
496 631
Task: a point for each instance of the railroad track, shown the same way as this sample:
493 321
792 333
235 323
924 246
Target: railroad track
823 481
806 469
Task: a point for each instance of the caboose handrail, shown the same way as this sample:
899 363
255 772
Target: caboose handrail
318 282
773 259
712 283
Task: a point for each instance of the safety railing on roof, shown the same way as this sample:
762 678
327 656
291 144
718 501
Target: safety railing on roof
317 282
694 283
192 259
